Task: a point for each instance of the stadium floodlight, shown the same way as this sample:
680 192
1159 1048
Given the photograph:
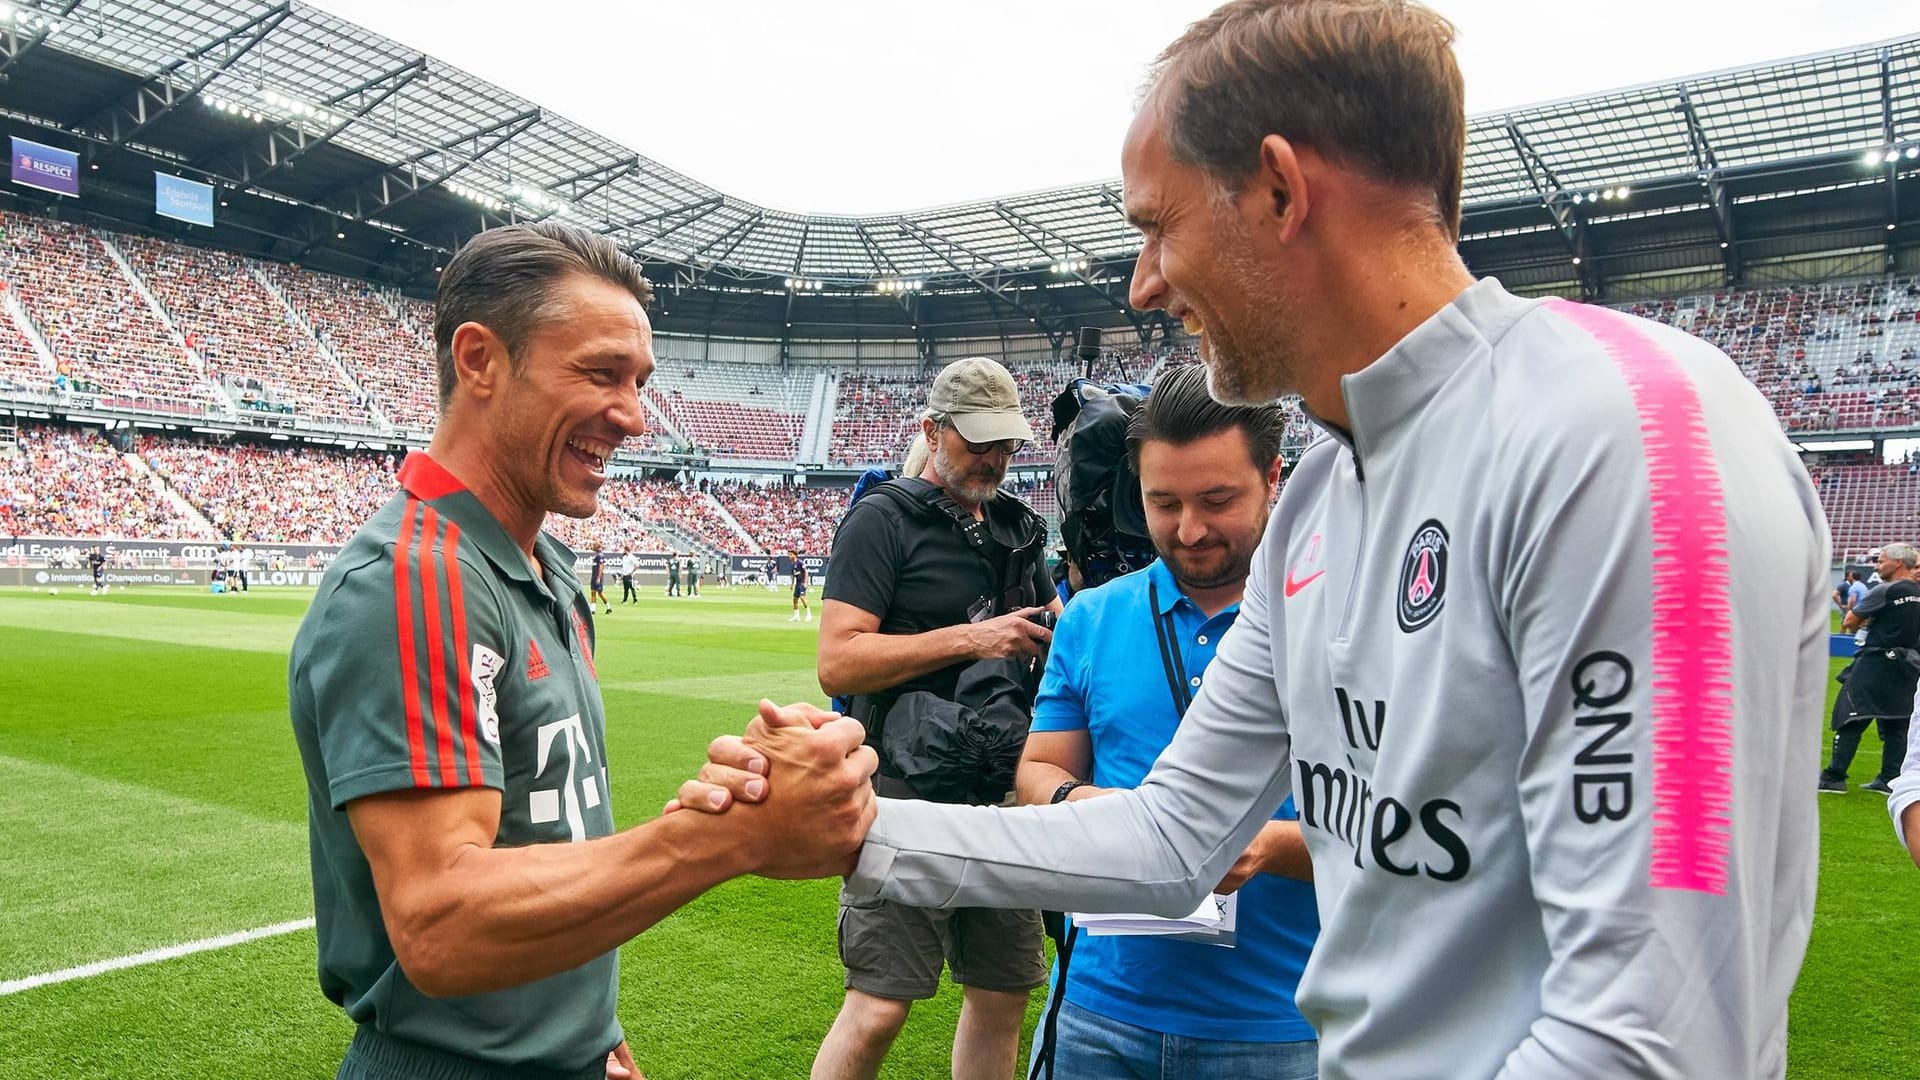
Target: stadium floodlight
1872 158
1913 152
1624 192
1576 260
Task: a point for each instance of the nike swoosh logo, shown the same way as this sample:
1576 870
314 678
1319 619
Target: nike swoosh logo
1293 586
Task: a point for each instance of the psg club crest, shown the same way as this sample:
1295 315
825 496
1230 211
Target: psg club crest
1423 577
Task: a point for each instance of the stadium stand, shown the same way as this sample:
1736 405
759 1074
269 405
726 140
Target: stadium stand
735 410
680 505
105 338
292 496
21 368
878 409
1869 505
783 518
69 482
243 333
876 412
609 530
384 339
1831 357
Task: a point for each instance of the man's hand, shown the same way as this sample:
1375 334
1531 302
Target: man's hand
1276 849
816 800
819 801
620 1064
1010 635
1910 827
733 772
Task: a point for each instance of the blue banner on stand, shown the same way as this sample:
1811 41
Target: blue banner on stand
183 200
48 168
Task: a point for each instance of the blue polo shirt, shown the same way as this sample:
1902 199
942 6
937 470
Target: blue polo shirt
1105 676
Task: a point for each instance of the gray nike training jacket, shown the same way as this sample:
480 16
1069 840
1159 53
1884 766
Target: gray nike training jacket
1554 767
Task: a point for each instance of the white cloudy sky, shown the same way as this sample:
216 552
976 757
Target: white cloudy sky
866 106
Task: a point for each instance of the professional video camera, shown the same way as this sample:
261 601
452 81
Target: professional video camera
1102 520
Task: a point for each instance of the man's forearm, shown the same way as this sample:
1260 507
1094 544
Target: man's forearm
871 662
1910 828
500 917
1287 851
1036 782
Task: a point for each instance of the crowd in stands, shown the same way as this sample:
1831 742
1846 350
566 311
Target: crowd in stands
877 411
1833 356
384 339
1869 504
242 331
230 332
670 502
105 338
875 414
784 517
65 481
610 529
283 496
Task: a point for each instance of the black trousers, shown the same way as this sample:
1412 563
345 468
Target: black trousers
1846 740
626 589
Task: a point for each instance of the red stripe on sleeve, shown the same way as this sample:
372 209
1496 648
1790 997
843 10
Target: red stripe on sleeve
469 707
436 650
409 664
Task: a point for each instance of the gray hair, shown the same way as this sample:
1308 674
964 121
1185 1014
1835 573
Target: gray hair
1904 554
917 450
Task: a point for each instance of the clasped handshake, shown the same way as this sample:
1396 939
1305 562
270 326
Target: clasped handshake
804 777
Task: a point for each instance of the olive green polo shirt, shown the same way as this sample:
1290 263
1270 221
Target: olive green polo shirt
435 657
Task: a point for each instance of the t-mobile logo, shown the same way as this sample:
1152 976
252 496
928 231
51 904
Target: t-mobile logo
578 792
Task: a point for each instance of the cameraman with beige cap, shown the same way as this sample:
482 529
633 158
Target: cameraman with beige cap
929 574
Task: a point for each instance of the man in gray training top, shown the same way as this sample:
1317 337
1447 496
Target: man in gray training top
1556 831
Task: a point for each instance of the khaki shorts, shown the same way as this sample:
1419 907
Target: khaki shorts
894 951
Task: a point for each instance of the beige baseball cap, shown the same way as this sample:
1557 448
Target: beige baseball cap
980 399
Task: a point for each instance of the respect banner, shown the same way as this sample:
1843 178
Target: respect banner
49 168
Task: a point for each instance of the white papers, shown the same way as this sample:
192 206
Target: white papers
1212 923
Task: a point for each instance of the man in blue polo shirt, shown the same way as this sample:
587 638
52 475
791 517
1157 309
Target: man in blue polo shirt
1127 658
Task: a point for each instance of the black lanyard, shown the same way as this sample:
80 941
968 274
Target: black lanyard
1170 660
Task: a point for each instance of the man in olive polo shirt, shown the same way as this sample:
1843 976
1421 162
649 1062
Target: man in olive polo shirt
469 888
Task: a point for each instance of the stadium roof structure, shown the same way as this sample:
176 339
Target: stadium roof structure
339 148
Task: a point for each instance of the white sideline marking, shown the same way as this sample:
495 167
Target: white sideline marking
153 956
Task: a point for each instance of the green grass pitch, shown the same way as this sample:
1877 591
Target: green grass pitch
151 795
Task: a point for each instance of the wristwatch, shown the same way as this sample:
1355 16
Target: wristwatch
1060 793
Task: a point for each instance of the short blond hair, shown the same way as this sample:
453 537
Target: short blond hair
1372 84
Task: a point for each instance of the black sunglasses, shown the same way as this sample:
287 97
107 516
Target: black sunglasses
1008 447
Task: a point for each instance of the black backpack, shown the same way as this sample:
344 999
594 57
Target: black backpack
1102 520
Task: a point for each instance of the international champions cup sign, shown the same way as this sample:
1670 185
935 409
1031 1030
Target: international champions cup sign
48 168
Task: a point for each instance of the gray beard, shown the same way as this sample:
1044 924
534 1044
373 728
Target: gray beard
958 484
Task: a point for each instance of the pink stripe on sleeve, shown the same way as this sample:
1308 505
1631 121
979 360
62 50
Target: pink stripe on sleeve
1692 622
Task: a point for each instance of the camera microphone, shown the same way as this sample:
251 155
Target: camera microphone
1087 348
